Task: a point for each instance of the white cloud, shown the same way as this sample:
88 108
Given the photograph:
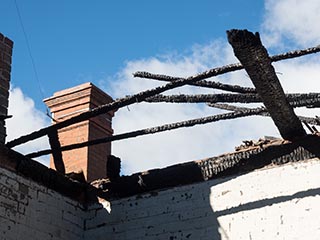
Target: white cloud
26 119
168 148
293 20
300 76
289 24
282 23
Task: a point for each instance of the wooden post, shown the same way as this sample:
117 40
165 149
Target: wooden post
254 57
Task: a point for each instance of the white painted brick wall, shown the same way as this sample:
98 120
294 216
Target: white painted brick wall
31 211
280 202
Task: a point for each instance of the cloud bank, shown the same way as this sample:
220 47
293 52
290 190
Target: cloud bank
279 31
187 144
292 20
26 119
287 25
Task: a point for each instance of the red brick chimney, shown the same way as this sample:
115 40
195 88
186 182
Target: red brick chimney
5 70
65 104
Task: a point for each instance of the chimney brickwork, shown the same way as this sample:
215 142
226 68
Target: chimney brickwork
65 104
6 46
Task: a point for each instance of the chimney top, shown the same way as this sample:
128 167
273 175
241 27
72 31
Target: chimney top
92 160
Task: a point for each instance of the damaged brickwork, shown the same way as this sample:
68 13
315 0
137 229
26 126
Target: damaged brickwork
29 210
264 190
5 74
46 206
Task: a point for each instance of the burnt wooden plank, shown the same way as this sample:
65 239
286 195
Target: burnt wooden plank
236 163
56 151
178 82
255 59
122 102
297 99
153 130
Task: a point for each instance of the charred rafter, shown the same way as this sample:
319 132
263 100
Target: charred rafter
305 99
56 153
237 66
202 83
119 103
162 128
244 43
308 120
253 56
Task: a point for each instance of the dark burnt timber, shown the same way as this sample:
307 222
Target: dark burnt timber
239 162
308 120
236 66
122 102
238 112
203 83
139 97
305 99
201 98
256 61
16 162
152 130
56 152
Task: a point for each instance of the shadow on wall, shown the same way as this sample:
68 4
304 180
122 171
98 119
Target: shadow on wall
273 203
269 202
276 203
178 213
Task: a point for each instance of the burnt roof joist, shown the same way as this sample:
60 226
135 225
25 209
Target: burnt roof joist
254 58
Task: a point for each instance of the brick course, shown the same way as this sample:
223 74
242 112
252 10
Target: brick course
31 211
277 202
91 160
6 46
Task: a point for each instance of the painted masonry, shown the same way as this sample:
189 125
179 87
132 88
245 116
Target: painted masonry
185 201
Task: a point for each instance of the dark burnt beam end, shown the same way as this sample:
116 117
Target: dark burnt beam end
56 151
254 57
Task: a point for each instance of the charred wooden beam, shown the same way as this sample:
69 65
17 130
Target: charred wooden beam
240 162
233 108
119 103
305 99
146 131
202 83
200 98
308 120
56 152
256 61
236 66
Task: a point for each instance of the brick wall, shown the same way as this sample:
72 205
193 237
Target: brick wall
5 69
277 202
280 202
29 210
70 102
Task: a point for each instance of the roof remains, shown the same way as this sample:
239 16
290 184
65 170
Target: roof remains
253 58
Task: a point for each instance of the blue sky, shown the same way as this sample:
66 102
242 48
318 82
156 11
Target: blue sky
104 42
74 41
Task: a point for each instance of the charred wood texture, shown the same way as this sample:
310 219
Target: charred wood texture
308 120
113 167
243 112
119 103
202 83
297 99
174 83
236 66
256 61
162 128
240 162
56 152
200 98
